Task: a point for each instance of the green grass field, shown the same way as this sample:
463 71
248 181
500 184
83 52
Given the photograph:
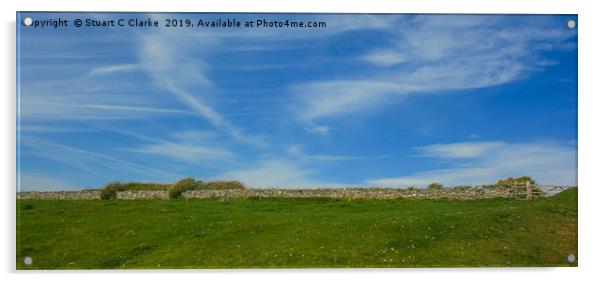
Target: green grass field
294 233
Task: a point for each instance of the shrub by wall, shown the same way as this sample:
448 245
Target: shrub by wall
109 192
183 185
435 186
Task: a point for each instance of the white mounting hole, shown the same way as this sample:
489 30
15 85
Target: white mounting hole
27 21
571 24
570 258
27 260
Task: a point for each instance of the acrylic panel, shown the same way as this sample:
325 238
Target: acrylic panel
251 140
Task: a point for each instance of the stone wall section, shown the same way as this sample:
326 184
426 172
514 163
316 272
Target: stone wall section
59 195
464 193
467 194
141 195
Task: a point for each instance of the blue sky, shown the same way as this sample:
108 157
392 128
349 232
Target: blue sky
370 100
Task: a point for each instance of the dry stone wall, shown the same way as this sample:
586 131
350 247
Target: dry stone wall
466 194
463 193
141 195
59 195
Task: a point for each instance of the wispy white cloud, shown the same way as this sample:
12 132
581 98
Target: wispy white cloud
192 135
435 54
41 182
186 152
385 58
127 108
170 65
81 159
331 158
296 152
486 162
277 173
334 98
169 61
112 69
49 128
272 173
173 62
460 150
321 130
183 146
62 108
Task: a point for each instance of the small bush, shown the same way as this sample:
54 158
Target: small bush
515 181
183 185
28 207
435 186
109 192
223 185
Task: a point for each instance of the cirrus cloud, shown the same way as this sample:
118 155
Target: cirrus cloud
474 163
436 54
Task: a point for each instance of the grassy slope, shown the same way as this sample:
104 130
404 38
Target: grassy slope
260 233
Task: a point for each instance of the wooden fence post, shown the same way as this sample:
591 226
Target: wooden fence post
529 190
